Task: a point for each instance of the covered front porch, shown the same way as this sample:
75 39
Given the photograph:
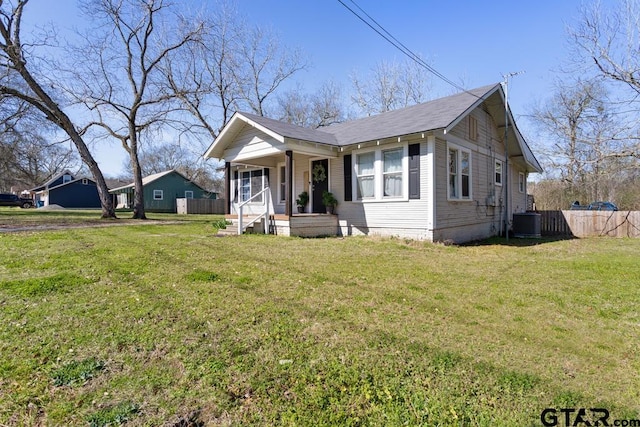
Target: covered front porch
298 225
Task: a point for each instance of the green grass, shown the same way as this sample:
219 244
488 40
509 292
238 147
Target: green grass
153 324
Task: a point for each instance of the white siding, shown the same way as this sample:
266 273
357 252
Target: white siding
251 143
480 217
406 218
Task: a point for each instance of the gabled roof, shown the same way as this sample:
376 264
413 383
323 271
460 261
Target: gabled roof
71 182
52 180
154 177
439 114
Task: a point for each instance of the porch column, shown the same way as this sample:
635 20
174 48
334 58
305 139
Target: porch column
227 188
288 172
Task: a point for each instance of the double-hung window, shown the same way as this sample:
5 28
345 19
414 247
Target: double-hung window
158 194
498 175
392 172
383 173
251 183
459 167
365 173
282 184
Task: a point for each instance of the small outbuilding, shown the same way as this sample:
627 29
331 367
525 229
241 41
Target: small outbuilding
161 190
68 191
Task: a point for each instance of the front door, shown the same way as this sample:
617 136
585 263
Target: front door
319 183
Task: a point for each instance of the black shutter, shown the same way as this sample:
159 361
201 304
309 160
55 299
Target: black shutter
414 171
347 178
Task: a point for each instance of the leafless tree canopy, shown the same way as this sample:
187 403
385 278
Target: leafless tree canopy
23 78
322 108
592 125
120 72
391 86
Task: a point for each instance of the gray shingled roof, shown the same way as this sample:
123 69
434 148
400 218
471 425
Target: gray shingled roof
431 115
292 131
436 114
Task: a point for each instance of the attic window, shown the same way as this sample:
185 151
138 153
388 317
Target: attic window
473 128
66 178
85 181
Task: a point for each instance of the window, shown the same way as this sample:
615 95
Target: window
498 176
453 174
366 175
251 183
282 184
459 163
66 178
392 172
158 194
473 128
85 181
188 194
521 182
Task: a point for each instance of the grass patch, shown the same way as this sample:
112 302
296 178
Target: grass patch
202 276
113 415
77 372
270 330
39 286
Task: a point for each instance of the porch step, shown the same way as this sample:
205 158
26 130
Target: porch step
229 231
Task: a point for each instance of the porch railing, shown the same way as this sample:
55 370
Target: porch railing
267 200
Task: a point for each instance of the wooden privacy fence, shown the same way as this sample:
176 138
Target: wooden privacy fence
590 223
200 206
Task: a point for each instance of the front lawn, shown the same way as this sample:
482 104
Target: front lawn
161 324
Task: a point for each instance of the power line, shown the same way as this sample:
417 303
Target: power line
382 32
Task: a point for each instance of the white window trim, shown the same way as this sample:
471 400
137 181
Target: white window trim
378 169
160 193
499 184
460 149
522 183
186 194
280 200
239 184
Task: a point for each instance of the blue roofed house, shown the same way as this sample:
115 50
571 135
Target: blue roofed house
68 191
441 170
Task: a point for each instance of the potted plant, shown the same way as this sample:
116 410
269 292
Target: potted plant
302 200
329 200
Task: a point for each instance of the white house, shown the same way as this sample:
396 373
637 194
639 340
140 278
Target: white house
442 170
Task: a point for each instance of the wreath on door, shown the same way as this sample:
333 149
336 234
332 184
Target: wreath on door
319 174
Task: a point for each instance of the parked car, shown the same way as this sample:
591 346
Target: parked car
603 206
14 200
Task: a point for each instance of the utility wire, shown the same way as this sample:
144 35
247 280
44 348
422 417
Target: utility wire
382 32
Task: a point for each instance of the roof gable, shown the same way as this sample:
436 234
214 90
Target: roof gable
154 177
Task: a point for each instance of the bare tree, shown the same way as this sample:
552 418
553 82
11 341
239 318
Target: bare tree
581 132
610 40
390 86
319 109
21 78
121 80
235 67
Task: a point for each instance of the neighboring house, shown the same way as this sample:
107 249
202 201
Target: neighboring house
436 171
160 192
68 191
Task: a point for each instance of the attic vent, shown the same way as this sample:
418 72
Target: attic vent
473 128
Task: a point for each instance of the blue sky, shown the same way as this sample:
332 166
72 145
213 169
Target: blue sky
471 42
